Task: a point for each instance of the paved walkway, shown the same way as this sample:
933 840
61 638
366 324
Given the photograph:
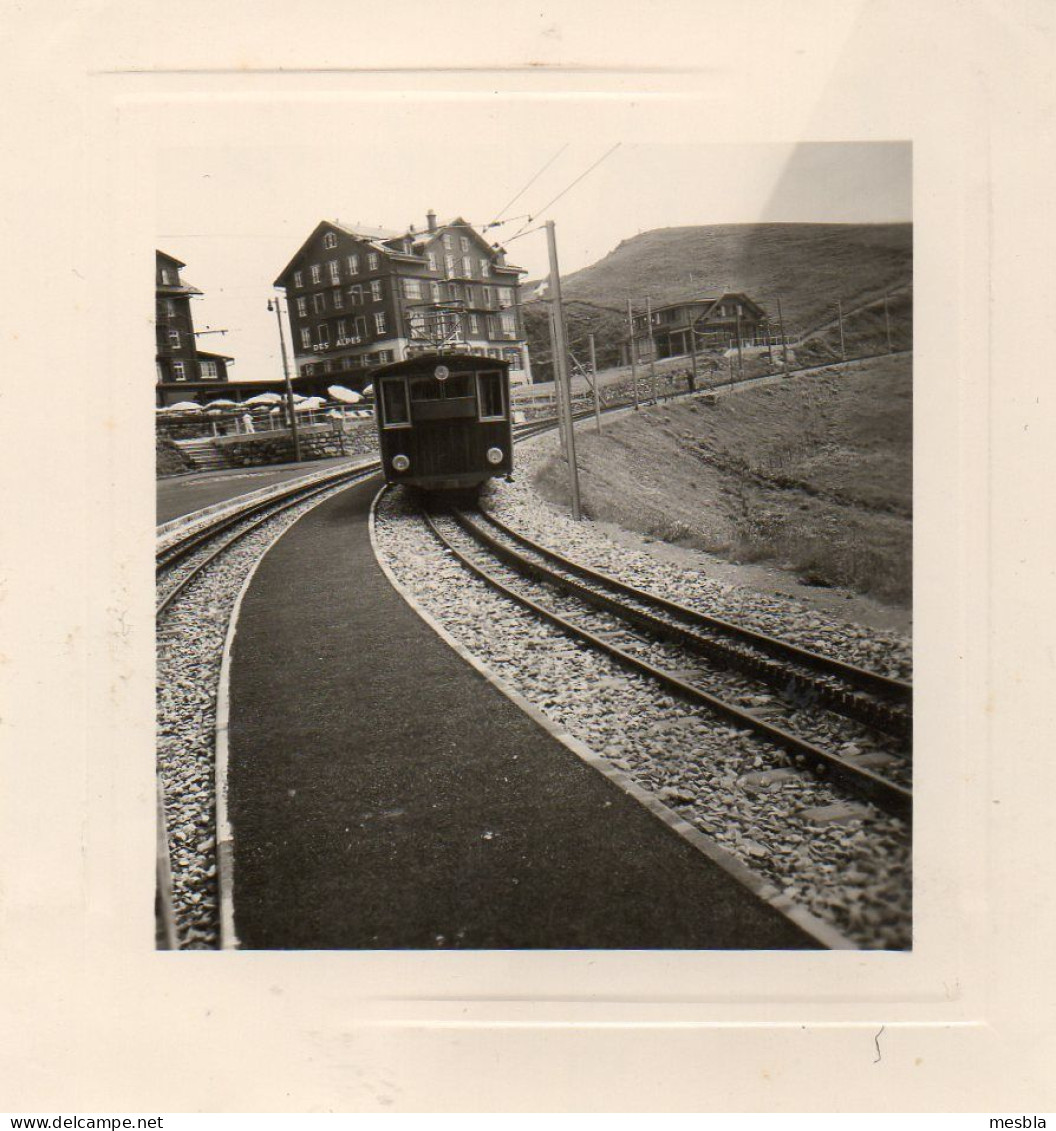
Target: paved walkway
184 494
384 795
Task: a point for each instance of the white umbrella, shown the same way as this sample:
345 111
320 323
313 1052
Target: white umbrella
265 398
185 406
222 403
340 393
309 404
368 390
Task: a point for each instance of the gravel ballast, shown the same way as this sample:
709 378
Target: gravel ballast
190 642
844 860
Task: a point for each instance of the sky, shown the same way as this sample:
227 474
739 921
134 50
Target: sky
237 212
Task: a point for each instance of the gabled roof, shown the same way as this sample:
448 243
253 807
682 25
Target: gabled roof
216 356
170 258
710 300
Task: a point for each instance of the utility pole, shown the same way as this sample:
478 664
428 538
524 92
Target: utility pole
594 382
887 326
289 388
561 366
558 404
634 363
769 345
740 356
784 339
839 312
693 351
652 345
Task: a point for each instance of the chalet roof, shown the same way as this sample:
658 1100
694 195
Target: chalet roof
710 299
378 239
365 232
173 289
171 258
213 356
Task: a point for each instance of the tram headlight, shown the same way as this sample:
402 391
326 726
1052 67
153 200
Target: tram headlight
494 455
400 463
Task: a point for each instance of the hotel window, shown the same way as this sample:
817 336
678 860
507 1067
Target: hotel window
474 324
432 261
505 296
509 323
324 334
209 370
174 339
169 278
161 372
298 278
412 288
339 299
488 298
330 240
361 328
170 307
327 365
307 369
177 371
342 328
448 241
306 338
302 306
434 289
353 264
463 244
335 271
449 265
485 268
372 261
316 272
355 296
375 289
379 323
319 302
467 265
384 356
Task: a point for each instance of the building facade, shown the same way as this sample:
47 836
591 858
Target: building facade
183 372
716 321
362 297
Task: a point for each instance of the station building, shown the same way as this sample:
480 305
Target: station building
716 321
183 372
361 297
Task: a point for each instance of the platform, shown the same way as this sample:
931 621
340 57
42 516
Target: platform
384 795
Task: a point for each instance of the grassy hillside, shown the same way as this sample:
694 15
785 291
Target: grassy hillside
807 266
813 474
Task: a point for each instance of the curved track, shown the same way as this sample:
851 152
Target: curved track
602 620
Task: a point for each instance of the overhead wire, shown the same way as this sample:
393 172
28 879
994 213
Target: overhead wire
498 215
568 188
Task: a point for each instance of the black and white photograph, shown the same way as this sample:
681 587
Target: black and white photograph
535 544
566 627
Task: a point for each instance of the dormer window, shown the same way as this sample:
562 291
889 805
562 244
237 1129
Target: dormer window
330 239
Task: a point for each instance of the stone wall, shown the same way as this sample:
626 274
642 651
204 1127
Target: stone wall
323 443
168 458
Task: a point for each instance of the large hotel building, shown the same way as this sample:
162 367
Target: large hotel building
362 297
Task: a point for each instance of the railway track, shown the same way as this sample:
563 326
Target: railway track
819 703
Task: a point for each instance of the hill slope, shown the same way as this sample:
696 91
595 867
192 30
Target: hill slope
813 473
807 266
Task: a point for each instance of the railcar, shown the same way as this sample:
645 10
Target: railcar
444 420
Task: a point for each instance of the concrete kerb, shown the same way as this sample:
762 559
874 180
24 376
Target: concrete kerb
826 935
